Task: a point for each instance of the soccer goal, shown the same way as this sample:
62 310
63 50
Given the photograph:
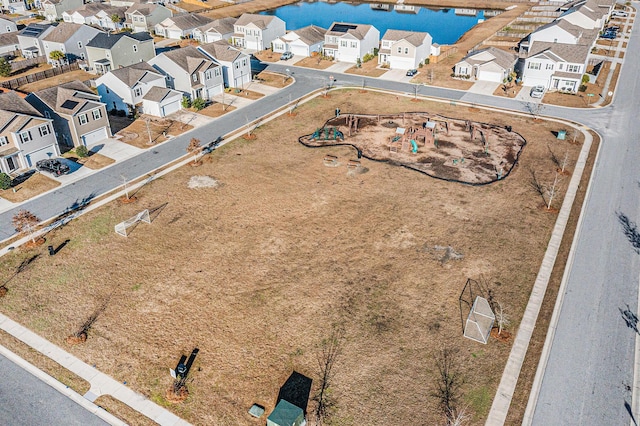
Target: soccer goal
479 321
123 228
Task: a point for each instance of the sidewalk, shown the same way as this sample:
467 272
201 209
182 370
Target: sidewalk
101 384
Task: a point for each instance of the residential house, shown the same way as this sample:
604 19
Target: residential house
586 15
30 39
70 39
79 118
9 44
99 14
489 64
123 88
129 3
7 26
304 41
15 6
25 135
236 65
191 72
404 49
349 42
52 9
558 31
182 26
161 101
144 17
106 52
256 32
555 66
220 29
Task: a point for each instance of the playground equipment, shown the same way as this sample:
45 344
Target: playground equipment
122 228
329 133
330 160
353 164
414 146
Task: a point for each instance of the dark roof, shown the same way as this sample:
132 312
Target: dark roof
188 58
10 101
34 30
107 41
133 73
8 39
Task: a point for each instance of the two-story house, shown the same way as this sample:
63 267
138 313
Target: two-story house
220 29
30 39
7 26
15 6
586 15
304 41
347 42
71 40
144 17
79 117
555 66
107 52
191 72
26 136
404 49
182 26
236 65
123 89
558 31
52 9
99 14
256 32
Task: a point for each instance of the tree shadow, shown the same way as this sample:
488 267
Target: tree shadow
630 230
296 390
630 411
630 318
155 211
23 266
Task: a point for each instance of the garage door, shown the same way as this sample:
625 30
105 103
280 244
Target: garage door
490 76
299 50
42 154
174 34
170 108
91 138
401 63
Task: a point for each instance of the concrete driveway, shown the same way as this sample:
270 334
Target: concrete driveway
115 149
340 67
192 118
396 75
484 87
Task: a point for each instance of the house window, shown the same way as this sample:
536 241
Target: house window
137 91
107 89
25 137
343 43
549 66
44 130
237 65
406 50
399 49
4 140
244 62
82 119
79 45
8 29
195 77
354 44
534 65
573 68
47 114
97 113
216 72
135 47
82 56
207 74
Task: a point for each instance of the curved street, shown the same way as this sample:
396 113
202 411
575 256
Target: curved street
589 376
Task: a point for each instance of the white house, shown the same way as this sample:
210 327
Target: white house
53 9
555 66
70 39
220 29
15 6
100 14
30 39
161 101
256 32
191 72
404 49
586 15
303 41
123 88
178 27
489 64
349 42
7 26
236 66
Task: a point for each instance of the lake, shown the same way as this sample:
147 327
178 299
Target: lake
446 26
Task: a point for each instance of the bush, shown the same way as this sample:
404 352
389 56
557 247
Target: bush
582 88
39 17
5 181
5 68
199 103
375 51
186 102
367 57
585 79
82 151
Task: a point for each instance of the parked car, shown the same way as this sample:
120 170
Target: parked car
609 36
286 56
619 13
52 165
412 72
613 28
537 92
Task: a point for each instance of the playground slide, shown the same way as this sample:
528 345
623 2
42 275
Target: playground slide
414 146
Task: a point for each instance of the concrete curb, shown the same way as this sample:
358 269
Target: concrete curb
502 400
63 389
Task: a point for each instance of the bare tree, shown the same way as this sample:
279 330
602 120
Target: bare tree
560 163
448 389
534 108
552 191
329 353
82 333
458 419
194 148
25 221
502 318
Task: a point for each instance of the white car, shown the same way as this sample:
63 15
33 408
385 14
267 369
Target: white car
537 92
619 13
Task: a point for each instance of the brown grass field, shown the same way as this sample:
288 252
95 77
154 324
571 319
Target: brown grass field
259 270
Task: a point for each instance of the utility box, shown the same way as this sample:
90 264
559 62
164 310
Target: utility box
562 134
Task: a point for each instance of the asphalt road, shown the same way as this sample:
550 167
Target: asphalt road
590 366
27 400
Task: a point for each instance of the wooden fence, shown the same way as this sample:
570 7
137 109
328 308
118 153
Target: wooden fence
32 78
27 63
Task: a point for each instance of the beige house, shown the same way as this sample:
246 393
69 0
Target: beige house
404 49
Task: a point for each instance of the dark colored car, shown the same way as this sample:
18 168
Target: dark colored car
609 36
53 165
412 72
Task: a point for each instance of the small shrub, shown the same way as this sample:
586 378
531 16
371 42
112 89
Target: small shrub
375 51
582 88
82 151
585 79
40 17
426 61
367 57
5 181
186 102
5 68
199 104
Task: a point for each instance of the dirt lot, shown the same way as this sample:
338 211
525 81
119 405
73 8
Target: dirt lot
137 134
216 109
273 79
36 184
57 80
369 69
257 271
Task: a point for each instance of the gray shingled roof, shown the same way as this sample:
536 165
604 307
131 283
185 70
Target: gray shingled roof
157 94
223 25
574 53
311 34
188 58
75 91
221 50
133 73
11 102
107 41
416 38
8 39
501 57
261 21
189 21
62 32
359 32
